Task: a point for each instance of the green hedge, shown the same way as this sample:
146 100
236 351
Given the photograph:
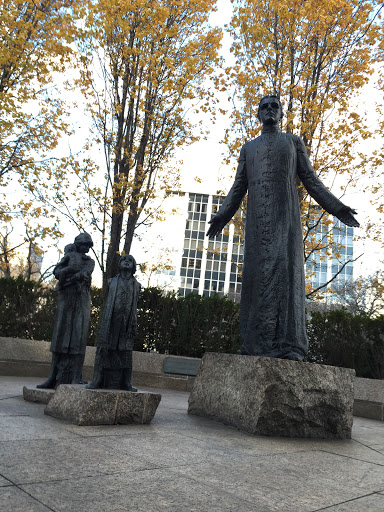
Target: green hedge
187 326
27 309
182 326
191 325
338 338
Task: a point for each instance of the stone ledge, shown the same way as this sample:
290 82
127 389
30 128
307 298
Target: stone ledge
369 409
81 406
32 358
176 382
369 398
274 397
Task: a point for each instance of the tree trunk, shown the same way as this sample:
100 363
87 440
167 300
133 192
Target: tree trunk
131 224
112 263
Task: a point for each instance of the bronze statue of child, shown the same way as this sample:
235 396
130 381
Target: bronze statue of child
72 262
113 361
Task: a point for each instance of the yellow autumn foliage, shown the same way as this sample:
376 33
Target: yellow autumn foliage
35 39
317 55
143 65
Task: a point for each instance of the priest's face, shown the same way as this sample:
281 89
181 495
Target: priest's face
269 111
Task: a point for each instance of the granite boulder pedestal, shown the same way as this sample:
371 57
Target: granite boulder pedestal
274 397
81 406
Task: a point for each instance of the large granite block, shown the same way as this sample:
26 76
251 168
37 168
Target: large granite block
82 406
274 397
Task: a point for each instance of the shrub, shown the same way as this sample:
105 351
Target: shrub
339 338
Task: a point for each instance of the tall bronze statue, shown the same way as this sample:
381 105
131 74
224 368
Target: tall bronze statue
69 339
272 308
113 361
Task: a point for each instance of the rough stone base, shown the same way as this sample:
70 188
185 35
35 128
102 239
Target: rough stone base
274 397
82 406
41 396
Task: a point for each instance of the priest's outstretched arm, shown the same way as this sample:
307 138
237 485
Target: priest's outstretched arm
318 191
233 200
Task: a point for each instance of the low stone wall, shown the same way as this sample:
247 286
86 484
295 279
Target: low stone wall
369 398
148 370
32 358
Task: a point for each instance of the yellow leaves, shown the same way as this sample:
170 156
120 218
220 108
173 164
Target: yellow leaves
158 57
33 45
316 55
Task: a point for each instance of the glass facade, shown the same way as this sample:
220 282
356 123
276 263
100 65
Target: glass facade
342 254
195 229
209 267
216 265
320 266
236 267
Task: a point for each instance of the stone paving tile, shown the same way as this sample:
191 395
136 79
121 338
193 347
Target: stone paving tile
145 491
372 437
21 428
378 448
371 503
13 499
44 460
367 423
4 482
165 450
357 451
17 405
224 437
344 470
106 430
179 462
254 445
305 481
13 386
166 421
170 419
177 448
170 398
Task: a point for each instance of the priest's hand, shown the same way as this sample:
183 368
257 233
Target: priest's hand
216 225
346 216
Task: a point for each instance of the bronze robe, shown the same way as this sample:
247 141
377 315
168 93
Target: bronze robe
119 320
272 309
73 313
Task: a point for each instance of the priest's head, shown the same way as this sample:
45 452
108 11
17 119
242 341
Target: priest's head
270 110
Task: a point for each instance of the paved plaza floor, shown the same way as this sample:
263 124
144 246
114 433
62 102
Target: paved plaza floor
179 463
